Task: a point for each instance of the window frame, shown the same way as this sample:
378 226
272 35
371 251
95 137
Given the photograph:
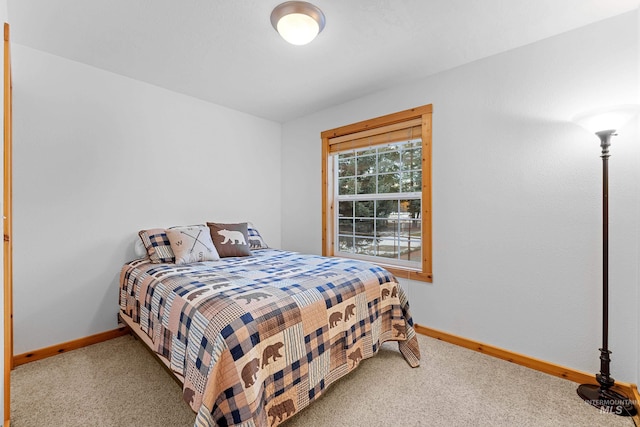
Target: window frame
374 127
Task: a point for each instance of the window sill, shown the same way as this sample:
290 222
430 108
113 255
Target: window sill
410 274
397 271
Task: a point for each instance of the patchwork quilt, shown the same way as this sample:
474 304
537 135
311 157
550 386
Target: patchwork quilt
258 338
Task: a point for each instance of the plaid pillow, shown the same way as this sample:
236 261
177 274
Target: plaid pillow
255 240
156 241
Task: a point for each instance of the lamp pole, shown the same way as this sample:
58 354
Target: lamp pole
604 378
603 397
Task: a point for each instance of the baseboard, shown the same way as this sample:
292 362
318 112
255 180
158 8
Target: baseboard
43 353
630 390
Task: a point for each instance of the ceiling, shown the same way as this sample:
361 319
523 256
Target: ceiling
226 52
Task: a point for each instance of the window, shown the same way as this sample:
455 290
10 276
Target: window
376 179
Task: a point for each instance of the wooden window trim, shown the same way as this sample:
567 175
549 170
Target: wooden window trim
7 229
369 127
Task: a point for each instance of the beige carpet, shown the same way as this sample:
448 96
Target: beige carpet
118 383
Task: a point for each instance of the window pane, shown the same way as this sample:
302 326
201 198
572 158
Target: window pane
389 161
387 230
388 247
383 149
411 181
414 143
347 166
365 209
367 184
411 229
412 159
345 226
364 227
397 220
384 228
389 183
410 250
365 246
345 209
385 207
345 244
410 209
346 186
366 165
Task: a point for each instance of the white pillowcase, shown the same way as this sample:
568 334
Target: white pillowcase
192 244
139 250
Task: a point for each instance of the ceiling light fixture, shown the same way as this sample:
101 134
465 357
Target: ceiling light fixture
298 22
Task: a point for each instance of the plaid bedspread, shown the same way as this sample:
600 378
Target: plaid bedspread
259 338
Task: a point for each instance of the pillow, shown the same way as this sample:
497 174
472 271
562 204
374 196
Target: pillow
139 249
156 242
255 240
192 244
230 239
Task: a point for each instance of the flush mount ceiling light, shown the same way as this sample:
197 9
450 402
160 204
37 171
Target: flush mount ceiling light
298 22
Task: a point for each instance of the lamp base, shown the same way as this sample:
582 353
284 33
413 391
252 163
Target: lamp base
607 400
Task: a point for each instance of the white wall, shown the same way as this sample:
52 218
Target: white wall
98 157
516 196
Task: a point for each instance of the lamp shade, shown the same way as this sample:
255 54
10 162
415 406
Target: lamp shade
607 118
298 22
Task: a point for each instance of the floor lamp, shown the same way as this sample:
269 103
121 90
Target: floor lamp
604 123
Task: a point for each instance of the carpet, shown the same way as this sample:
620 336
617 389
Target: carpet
112 383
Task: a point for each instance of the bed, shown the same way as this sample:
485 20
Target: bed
255 339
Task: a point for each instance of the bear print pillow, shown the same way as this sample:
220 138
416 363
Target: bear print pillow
230 239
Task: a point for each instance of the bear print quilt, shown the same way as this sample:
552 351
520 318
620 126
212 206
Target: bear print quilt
259 338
